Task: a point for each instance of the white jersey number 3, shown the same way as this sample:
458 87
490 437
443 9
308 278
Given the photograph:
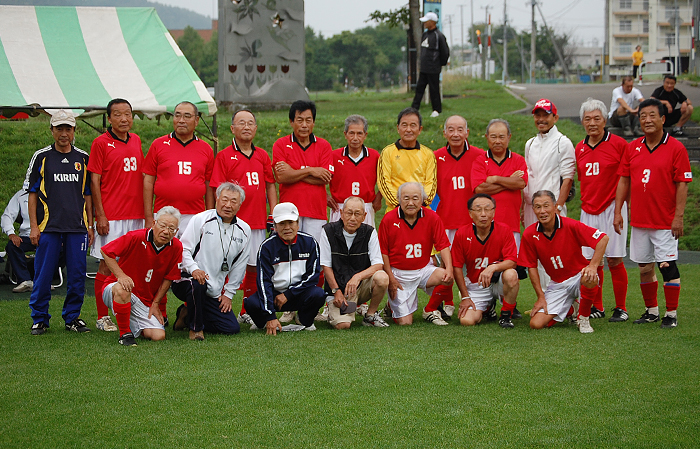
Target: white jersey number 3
413 251
645 175
130 164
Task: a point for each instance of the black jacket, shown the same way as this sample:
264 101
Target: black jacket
347 262
434 51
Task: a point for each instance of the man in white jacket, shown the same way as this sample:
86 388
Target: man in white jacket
215 246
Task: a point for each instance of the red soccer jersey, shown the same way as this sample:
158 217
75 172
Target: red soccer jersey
477 255
310 199
454 184
143 263
561 255
409 247
181 171
352 178
653 174
252 173
120 164
507 201
597 171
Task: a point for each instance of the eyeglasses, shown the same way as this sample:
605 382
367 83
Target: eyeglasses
170 229
353 214
482 209
186 116
243 124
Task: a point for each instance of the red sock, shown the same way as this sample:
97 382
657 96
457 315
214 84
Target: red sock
507 307
250 285
122 312
552 322
618 273
649 293
321 280
672 292
102 309
162 305
441 293
598 300
587 297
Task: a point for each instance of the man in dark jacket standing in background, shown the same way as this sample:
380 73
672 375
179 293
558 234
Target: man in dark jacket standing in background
434 54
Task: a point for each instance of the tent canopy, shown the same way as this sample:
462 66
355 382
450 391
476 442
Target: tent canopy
78 57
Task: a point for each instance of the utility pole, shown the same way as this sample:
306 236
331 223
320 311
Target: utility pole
471 34
605 63
556 47
533 39
522 60
504 74
461 22
484 60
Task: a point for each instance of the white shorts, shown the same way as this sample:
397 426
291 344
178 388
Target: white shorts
451 235
482 296
257 236
652 245
184 219
561 295
312 226
516 236
117 228
139 313
406 301
617 245
369 219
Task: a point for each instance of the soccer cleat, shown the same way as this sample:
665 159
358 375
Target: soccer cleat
449 310
196 335
374 321
362 309
647 318
504 321
443 313
584 325
490 313
387 311
516 314
105 324
287 317
25 286
180 318
39 328
166 321
595 313
127 340
298 327
253 327
245 319
618 316
77 325
323 316
434 317
668 322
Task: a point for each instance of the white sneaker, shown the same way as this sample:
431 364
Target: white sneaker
244 319
362 309
435 114
374 321
434 317
584 325
25 286
253 327
106 324
449 310
297 327
288 317
323 316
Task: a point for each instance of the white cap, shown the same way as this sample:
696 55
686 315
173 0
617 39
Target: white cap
430 16
285 211
63 117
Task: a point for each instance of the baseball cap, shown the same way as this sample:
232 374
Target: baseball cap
285 211
63 117
546 105
430 16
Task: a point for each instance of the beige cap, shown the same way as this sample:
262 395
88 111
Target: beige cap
285 211
63 117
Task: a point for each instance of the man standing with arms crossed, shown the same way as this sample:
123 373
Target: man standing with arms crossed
116 164
434 53
655 172
250 167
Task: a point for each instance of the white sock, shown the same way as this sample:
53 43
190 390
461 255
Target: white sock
671 313
653 310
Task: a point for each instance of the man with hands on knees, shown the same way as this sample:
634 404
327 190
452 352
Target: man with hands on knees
553 241
214 258
148 263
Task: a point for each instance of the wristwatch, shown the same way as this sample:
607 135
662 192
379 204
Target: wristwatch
560 207
334 290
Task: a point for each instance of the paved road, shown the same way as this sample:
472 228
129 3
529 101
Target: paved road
568 97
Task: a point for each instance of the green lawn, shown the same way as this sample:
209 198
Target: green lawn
625 385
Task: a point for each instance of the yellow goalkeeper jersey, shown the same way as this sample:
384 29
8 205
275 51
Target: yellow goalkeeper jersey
398 164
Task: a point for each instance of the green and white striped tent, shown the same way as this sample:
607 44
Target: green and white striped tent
77 57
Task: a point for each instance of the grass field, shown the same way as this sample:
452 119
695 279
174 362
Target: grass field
425 386
625 385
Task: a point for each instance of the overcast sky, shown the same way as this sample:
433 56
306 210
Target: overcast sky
582 19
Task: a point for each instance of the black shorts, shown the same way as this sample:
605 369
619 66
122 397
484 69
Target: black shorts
672 117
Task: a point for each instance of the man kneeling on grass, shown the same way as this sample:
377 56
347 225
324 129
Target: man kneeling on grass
407 234
352 265
555 242
148 263
488 250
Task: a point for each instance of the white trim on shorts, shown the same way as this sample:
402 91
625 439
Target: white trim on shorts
617 245
652 245
406 301
257 236
369 219
138 321
561 295
312 226
117 228
482 296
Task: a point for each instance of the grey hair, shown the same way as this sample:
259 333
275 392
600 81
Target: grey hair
498 120
466 125
169 210
233 187
408 184
354 198
590 105
355 119
540 193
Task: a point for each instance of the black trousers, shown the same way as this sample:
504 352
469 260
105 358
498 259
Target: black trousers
432 80
202 310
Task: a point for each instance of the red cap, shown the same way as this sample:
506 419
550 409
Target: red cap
546 105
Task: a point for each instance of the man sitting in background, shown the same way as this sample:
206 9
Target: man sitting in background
16 210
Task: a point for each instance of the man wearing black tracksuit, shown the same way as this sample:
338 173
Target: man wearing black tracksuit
434 54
